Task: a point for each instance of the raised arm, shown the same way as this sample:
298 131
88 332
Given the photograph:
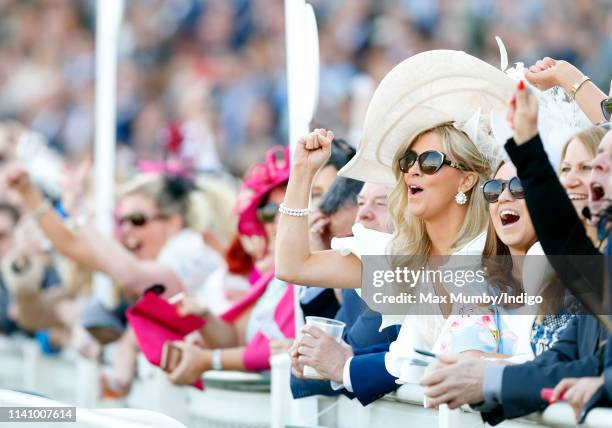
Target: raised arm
548 72
295 263
90 248
64 240
132 274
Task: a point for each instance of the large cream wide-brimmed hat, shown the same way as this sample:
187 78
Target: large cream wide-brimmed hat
423 91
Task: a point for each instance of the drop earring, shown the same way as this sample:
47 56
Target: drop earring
461 198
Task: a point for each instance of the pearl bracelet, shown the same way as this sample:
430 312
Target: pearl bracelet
293 212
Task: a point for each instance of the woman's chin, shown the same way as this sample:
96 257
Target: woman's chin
417 212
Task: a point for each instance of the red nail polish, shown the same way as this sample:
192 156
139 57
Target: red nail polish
521 85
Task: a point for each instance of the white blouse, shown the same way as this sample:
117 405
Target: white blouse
420 331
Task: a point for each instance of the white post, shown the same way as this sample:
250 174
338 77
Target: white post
295 48
108 18
302 49
302 45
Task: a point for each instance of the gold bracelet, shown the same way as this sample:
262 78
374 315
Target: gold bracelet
577 86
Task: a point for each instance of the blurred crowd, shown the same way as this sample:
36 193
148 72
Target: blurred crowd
207 77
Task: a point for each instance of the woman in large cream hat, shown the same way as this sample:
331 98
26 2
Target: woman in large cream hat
426 133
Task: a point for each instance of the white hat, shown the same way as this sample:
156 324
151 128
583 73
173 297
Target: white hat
421 92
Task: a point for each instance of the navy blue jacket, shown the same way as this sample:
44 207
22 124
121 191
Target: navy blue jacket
577 353
369 376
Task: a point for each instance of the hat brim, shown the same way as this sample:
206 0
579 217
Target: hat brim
424 91
248 223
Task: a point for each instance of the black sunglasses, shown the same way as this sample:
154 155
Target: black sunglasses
493 189
267 213
606 108
138 219
429 161
158 289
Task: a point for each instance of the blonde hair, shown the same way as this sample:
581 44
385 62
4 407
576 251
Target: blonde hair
589 138
410 237
206 206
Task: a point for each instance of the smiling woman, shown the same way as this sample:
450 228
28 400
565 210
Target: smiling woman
575 169
432 164
510 219
152 216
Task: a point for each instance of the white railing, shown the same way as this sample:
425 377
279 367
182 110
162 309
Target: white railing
235 399
104 418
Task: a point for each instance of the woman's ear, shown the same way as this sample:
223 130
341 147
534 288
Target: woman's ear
468 182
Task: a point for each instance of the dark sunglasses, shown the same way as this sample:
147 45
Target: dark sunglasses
158 289
606 107
429 161
138 219
493 189
267 213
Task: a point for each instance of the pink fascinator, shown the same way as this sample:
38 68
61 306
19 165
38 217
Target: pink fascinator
258 182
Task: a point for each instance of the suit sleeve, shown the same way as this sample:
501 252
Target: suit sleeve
519 400
370 378
562 360
608 368
380 347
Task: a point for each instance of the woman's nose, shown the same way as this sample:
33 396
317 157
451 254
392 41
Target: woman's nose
506 195
415 169
572 179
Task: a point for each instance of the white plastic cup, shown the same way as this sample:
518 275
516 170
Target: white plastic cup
333 328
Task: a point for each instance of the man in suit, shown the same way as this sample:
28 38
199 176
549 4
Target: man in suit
509 391
361 335
329 357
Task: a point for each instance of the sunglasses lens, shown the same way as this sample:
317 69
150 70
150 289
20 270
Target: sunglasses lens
491 190
516 188
267 213
136 219
430 162
158 289
406 161
606 107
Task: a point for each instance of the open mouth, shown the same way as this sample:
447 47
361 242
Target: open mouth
132 244
597 192
578 196
414 189
508 217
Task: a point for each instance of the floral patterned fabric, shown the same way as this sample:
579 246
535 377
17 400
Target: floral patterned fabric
547 332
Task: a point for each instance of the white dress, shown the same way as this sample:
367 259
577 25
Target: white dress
190 258
417 331
535 276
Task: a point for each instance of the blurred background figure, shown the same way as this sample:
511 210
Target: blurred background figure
201 79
